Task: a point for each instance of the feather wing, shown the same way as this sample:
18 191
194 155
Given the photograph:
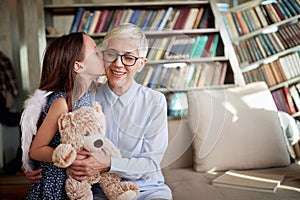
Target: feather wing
32 109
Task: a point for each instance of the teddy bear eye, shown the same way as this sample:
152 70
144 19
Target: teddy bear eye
86 133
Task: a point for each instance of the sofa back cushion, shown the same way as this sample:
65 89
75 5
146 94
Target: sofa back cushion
179 151
236 128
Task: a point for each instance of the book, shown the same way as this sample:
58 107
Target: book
117 18
76 20
295 5
157 19
272 13
296 96
84 18
101 21
182 19
142 18
94 21
191 19
242 22
223 73
213 49
278 11
289 99
109 21
261 16
231 26
237 24
208 45
153 81
266 15
87 22
207 20
164 21
162 49
172 19
149 14
198 18
249 181
148 76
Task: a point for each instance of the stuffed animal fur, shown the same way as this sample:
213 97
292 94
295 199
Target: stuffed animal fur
83 129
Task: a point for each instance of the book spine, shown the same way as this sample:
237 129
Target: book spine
76 20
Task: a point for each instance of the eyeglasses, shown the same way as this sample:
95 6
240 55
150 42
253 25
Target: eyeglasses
127 60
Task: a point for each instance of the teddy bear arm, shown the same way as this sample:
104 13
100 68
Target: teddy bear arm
63 155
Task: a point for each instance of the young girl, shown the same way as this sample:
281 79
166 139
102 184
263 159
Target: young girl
70 66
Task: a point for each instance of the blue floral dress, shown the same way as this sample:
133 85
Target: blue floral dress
52 184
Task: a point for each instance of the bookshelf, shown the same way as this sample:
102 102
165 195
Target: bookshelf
182 56
264 37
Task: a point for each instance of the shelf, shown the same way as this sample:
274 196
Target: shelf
198 60
171 90
264 29
285 84
245 67
157 33
64 7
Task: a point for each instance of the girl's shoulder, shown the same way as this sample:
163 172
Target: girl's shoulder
53 96
56 95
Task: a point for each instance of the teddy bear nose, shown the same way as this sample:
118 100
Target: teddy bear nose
98 143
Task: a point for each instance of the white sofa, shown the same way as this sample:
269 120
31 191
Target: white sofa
236 128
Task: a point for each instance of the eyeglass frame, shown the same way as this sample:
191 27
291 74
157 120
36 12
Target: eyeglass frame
121 56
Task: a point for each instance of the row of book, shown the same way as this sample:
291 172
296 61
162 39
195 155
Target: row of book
246 21
276 72
183 75
183 47
98 21
287 99
265 45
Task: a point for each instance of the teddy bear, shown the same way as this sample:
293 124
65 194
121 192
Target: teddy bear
80 129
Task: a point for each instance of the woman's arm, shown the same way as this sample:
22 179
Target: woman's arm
40 149
88 164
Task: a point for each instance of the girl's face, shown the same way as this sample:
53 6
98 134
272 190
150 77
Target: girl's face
92 65
120 76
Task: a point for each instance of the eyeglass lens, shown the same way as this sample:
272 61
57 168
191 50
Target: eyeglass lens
127 60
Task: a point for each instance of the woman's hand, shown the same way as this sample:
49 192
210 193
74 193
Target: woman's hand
33 176
88 164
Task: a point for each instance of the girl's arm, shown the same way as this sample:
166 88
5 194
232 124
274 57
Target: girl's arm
40 149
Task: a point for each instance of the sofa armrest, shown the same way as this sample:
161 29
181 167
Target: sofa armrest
179 152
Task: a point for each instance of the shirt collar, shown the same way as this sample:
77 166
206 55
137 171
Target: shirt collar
125 98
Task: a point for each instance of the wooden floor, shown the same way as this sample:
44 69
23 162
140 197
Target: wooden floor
13 187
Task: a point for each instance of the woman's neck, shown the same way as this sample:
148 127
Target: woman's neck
119 90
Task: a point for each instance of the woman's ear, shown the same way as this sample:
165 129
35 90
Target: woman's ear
77 67
143 63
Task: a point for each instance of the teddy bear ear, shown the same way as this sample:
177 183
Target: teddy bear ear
97 107
65 120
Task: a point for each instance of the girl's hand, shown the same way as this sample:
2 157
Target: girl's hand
33 176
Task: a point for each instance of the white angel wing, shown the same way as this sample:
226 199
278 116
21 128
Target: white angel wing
32 109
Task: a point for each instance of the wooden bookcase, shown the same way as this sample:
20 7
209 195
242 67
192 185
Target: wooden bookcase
170 49
265 41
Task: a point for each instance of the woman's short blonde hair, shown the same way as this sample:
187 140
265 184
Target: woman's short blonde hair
128 30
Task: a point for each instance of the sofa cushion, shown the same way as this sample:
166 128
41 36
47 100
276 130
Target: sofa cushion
236 128
186 184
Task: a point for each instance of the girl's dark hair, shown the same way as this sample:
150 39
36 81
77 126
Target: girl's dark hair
58 65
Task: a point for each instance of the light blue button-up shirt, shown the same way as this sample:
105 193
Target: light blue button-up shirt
136 122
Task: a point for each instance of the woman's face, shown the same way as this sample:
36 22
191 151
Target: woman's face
93 65
120 76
